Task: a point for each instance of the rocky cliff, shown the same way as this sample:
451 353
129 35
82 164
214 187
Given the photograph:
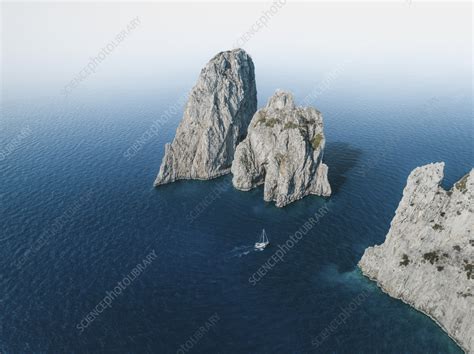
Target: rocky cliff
215 120
283 150
427 259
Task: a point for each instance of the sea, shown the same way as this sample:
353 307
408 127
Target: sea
94 259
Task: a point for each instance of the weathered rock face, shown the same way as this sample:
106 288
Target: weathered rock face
283 150
215 120
427 259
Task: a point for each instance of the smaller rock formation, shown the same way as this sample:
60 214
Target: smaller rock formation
427 259
215 120
283 150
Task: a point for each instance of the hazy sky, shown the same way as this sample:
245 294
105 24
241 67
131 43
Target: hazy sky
46 45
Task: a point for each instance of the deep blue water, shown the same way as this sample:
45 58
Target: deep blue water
202 268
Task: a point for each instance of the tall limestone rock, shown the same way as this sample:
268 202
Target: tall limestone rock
215 120
283 151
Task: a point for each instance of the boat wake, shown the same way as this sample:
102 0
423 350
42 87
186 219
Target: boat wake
239 251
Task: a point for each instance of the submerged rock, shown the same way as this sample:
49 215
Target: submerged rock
215 120
283 150
427 259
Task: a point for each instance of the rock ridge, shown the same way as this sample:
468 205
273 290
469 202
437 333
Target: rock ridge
427 259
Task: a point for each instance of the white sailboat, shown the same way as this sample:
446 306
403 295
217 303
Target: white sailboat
262 242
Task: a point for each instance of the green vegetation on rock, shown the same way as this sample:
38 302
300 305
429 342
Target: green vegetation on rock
461 185
316 140
290 125
261 118
432 257
469 268
405 261
271 122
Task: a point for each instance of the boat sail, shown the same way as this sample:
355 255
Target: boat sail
262 242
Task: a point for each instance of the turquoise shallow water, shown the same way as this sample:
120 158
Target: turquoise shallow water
203 266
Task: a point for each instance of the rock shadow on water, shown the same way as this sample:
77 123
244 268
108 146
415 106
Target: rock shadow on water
340 157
